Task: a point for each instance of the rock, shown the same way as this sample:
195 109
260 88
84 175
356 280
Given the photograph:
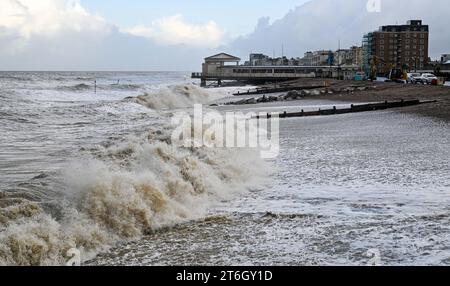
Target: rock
263 99
241 102
349 89
293 93
315 92
273 98
251 101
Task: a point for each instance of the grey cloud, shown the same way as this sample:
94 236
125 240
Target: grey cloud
320 24
90 51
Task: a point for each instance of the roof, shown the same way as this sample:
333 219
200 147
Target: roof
223 57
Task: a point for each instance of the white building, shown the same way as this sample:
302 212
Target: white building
316 58
352 56
213 63
445 58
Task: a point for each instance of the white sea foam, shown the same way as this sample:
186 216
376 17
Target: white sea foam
129 189
180 96
108 195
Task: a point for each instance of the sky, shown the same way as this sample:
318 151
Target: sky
237 16
173 35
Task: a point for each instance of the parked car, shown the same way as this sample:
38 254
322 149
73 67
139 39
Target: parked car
414 78
429 78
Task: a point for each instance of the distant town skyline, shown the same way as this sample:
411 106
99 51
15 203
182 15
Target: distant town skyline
176 35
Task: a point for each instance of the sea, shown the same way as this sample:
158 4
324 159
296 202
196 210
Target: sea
88 166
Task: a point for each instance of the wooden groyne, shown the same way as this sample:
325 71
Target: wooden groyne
353 109
268 90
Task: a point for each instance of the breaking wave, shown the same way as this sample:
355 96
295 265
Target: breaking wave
15 78
77 87
124 86
84 87
178 97
122 192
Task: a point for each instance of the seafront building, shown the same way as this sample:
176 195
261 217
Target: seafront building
263 60
397 46
317 58
403 47
352 56
445 59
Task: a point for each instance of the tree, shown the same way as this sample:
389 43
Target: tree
437 69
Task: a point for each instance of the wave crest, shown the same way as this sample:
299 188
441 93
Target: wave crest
177 97
77 87
131 188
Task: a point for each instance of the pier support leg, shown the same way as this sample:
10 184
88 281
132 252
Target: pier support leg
203 82
219 82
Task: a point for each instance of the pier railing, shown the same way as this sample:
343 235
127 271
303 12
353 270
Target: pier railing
274 72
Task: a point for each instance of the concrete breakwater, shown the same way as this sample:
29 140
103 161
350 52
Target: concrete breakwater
353 109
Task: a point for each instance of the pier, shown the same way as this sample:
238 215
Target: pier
223 66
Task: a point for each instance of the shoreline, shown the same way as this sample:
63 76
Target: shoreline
393 91
383 91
